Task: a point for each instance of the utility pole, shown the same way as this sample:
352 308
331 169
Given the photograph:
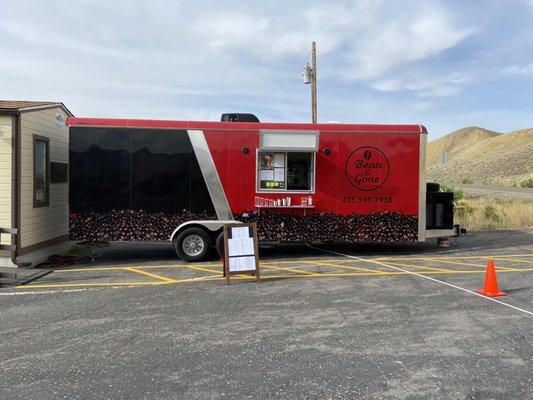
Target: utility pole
313 83
309 77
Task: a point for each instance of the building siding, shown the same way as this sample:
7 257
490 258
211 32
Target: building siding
39 224
6 176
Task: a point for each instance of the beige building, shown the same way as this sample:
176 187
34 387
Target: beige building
34 153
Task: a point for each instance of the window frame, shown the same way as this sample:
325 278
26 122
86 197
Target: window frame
258 188
46 201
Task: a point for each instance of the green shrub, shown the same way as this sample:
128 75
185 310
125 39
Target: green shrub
463 212
528 183
490 213
458 194
467 181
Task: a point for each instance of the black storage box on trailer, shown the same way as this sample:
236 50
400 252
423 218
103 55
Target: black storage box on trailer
439 210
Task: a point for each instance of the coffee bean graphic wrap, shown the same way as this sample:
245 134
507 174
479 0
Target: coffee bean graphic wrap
367 168
328 227
130 225
138 225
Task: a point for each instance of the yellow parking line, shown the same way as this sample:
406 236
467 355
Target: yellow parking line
496 255
333 275
155 276
518 269
60 285
122 268
263 277
326 275
421 267
111 284
160 266
89 269
300 260
465 263
394 258
213 271
268 266
213 264
373 271
451 257
200 279
510 259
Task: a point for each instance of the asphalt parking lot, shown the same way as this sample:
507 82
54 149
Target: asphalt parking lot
365 322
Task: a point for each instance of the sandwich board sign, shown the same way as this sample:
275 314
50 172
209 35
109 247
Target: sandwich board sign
241 250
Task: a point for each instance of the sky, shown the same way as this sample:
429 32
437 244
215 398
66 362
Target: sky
443 64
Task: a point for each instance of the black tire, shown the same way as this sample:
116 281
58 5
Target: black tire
220 244
192 245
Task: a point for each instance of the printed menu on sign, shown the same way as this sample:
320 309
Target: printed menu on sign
279 160
239 232
241 246
267 175
279 174
241 263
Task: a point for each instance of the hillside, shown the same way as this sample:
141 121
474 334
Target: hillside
477 155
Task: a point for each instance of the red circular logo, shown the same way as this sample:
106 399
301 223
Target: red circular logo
367 168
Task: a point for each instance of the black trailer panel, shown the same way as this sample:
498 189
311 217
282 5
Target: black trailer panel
133 184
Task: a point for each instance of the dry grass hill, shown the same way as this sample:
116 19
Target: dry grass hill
479 156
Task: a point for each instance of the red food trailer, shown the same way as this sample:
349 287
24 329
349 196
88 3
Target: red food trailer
181 181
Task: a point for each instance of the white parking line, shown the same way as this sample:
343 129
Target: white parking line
425 277
45 292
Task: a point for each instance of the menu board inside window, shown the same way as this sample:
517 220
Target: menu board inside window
272 170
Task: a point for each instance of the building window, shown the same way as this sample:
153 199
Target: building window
41 171
285 171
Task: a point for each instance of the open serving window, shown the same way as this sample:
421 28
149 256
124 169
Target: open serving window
286 161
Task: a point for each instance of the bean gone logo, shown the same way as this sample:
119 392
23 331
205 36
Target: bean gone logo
367 168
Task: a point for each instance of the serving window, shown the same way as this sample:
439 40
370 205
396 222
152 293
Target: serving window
285 171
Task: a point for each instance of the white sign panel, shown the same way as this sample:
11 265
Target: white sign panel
241 263
279 160
287 140
243 232
267 175
279 174
240 246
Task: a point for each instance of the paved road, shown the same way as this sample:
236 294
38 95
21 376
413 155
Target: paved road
375 333
497 191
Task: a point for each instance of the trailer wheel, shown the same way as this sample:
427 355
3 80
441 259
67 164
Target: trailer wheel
220 244
193 244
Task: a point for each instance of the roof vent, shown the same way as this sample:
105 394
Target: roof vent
238 117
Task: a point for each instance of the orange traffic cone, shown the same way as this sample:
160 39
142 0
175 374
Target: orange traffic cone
490 288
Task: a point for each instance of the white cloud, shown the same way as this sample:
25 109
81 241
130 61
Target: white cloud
395 42
369 38
232 29
424 85
526 69
272 38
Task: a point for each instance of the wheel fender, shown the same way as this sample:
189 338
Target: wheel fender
212 226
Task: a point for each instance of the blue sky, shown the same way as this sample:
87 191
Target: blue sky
444 64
